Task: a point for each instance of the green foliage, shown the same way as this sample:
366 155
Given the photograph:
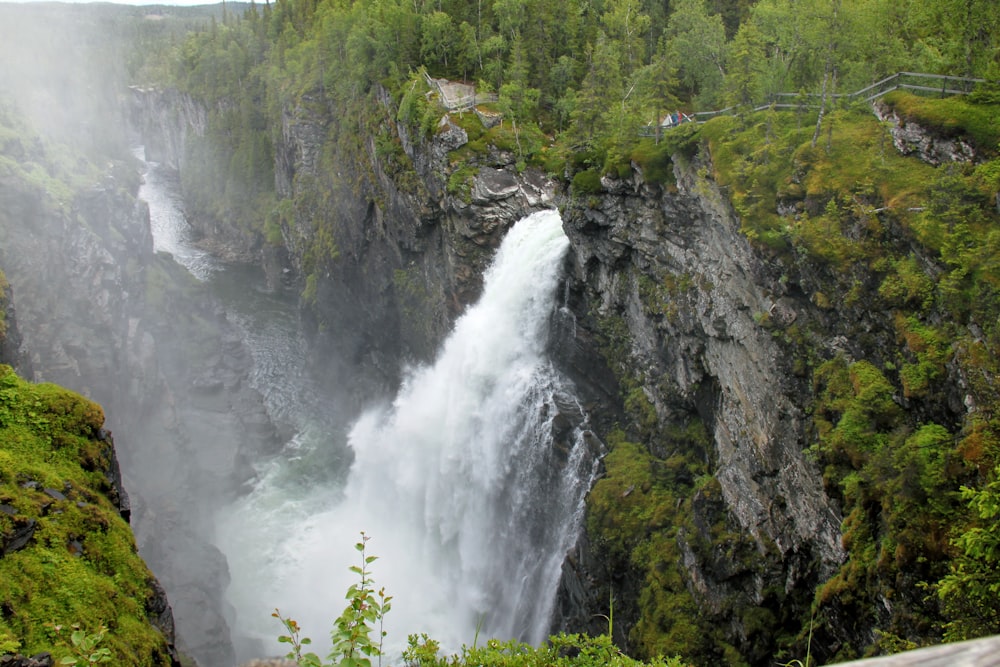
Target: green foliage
80 565
587 182
296 641
656 162
87 648
896 482
352 642
354 646
563 650
352 633
698 42
460 182
971 590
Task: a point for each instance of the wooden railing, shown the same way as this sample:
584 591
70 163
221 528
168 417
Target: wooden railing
458 103
975 653
915 81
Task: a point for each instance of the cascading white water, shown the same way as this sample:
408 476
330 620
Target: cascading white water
470 483
171 231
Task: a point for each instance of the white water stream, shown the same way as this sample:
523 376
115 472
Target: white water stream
470 500
171 231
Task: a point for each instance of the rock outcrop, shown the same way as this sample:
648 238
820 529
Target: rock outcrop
51 436
932 147
11 352
385 270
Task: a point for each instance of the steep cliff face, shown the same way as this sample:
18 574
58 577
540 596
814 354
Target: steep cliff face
385 256
63 514
408 256
166 120
100 313
10 337
674 296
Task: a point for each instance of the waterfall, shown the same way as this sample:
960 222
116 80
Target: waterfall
470 483
171 232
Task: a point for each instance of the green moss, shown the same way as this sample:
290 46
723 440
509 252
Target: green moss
470 122
655 160
414 302
925 355
587 182
460 182
906 284
834 188
80 565
635 512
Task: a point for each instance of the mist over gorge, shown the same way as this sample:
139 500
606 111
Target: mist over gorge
778 352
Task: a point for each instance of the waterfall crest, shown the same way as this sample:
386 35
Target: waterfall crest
470 482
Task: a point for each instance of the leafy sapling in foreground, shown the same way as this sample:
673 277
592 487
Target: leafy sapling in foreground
352 642
296 654
353 645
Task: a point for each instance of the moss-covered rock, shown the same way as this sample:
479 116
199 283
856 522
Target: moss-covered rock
68 557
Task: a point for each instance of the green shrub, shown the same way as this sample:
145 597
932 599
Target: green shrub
587 182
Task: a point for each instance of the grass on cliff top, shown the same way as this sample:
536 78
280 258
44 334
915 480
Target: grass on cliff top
951 117
80 565
831 200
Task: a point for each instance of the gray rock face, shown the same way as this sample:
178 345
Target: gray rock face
11 351
102 315
166 120
909 137
410 256
691 292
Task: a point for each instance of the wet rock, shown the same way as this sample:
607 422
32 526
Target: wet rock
21 533
38 660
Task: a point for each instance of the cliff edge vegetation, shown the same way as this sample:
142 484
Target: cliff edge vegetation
68 556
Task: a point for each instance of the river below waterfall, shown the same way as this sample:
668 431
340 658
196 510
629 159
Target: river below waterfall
470 481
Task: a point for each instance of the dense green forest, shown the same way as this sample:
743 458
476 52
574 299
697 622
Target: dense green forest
574 78
577 82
